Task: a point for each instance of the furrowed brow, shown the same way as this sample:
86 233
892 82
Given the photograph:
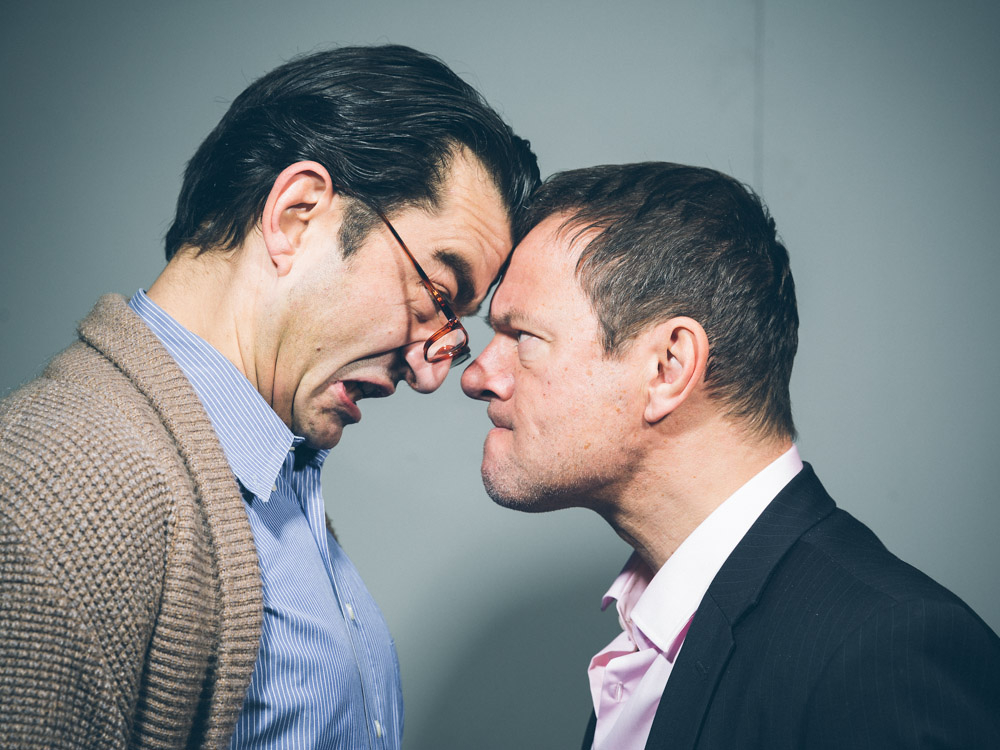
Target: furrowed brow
506 321
466 288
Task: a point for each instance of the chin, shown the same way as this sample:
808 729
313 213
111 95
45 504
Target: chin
508 490
320 435
324 443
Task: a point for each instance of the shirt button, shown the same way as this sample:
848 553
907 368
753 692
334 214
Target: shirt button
350 614
378 729
274 488
616 691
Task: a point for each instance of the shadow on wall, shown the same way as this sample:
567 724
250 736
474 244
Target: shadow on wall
520 680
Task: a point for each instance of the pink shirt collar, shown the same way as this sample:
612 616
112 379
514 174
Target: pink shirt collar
661 605
654 610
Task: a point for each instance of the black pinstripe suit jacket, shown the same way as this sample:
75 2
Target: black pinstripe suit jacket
813 635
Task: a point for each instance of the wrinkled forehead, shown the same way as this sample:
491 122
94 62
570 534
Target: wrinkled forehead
475 239
542 267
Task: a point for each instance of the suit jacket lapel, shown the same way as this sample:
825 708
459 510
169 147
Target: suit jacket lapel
588 736
692 682
734 591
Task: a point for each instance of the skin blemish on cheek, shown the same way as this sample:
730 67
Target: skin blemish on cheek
586 446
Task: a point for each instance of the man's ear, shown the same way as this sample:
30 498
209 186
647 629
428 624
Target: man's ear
300 194
680 350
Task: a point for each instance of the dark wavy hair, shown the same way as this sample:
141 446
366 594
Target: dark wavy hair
672 240
383 120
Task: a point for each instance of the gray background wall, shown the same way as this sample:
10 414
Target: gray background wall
870 128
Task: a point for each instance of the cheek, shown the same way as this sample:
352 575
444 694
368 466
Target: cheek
586 410
542 417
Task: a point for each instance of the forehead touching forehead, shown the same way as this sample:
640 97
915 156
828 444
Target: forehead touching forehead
542 274
473 233
460 241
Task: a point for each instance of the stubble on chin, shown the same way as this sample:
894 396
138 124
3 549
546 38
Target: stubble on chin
540 489
513 489
506 496
321 430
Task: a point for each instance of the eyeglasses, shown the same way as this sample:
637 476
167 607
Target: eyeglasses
450 341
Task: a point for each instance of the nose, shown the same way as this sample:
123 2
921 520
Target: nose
484 379
421 375
473 379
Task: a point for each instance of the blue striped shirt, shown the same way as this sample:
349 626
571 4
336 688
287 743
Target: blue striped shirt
327 673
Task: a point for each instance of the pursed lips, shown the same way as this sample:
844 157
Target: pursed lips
497 421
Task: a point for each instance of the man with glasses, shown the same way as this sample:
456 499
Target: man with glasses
644 337
167 574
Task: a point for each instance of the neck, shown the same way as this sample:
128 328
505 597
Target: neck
210 295
683 482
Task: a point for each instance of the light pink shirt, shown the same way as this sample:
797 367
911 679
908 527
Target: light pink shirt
627 678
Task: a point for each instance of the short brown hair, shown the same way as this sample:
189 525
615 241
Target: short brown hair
672 240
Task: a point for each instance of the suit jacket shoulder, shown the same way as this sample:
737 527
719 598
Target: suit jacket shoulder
814 635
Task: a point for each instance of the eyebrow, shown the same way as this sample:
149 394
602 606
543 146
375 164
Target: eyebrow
466 290
509 320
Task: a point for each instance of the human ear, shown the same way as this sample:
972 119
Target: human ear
301 193
679 349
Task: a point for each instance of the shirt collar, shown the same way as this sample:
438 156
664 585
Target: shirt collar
655 608
254 439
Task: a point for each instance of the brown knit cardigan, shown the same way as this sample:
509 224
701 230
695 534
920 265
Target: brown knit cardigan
130 596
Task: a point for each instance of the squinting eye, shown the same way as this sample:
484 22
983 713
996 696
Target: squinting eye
528 347
443 293
434 293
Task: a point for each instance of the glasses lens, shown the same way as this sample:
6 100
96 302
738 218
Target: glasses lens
449 345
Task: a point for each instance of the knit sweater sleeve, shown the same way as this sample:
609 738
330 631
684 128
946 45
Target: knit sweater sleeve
84 519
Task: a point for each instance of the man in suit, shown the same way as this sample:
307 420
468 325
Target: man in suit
644 337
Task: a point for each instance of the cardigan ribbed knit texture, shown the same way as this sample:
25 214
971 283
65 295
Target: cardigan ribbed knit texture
130 596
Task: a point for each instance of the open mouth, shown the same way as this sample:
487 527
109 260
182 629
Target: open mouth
359 389
353 391
374 390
